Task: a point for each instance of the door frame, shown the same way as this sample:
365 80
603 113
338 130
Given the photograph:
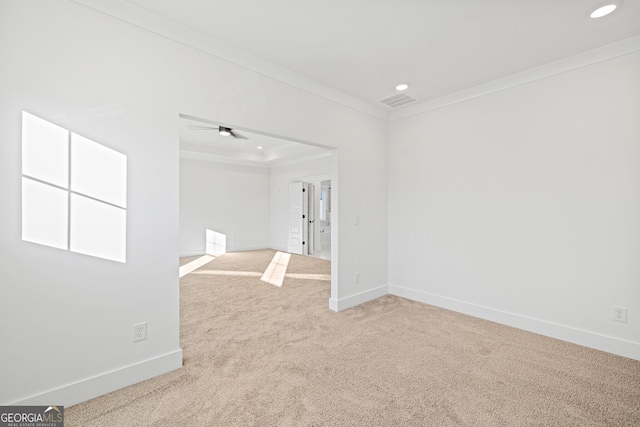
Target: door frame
318 178
335 188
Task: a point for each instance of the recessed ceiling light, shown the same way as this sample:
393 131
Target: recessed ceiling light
259 147
402 86
603 11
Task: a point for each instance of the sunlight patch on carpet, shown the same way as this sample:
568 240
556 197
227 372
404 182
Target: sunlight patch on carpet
228 273
308 276
196 263
275 272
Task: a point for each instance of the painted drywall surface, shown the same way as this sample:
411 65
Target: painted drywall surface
526 201
281 177
361 190
230 199
67 318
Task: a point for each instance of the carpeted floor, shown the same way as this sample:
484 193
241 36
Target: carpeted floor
257 354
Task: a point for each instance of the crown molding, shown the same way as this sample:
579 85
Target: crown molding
141 18
161 26
604 53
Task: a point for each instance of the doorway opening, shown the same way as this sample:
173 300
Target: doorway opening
236 181
310 217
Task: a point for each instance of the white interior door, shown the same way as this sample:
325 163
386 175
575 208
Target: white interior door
295 218
311 217
301 218
305 218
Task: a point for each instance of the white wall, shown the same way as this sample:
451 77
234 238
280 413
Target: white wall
230 199
523 206
66 319
281 177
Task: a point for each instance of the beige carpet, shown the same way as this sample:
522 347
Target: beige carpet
257 354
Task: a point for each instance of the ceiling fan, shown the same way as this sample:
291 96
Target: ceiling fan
224 131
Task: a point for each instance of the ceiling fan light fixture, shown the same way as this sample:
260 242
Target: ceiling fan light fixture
603 11
224 131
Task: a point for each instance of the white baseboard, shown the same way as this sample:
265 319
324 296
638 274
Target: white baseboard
89 388
357 299
565 333
244 248
247 248
281 248
192 253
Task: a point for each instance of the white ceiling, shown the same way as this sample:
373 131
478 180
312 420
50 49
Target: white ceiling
210 145
363 48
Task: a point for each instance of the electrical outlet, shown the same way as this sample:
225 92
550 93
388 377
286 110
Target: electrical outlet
356 278
619 313
139 331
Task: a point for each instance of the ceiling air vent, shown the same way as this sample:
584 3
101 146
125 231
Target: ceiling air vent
397 100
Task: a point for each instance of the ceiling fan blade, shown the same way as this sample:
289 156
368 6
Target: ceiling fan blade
194 127
219 129
237 135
